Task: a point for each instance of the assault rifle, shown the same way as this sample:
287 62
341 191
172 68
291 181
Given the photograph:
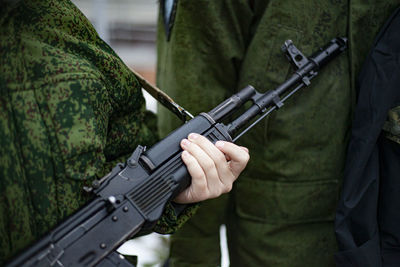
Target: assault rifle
134 194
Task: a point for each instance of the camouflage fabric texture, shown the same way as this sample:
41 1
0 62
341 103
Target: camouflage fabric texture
282 208
392 125
69 111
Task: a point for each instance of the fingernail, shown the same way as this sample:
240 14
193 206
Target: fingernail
219 144
193 136
185 154
185 142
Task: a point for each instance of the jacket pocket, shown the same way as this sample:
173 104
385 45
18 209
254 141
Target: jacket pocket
276 202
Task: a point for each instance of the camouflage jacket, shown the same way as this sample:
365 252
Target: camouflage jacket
69 111
392 125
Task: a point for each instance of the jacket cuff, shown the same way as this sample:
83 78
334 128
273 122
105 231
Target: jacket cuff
174 217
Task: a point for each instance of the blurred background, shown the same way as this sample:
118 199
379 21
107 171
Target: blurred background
129 27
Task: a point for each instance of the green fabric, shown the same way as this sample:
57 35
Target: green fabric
69 111
282 208
197 243
391 128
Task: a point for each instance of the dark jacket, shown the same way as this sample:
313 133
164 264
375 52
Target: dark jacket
368 215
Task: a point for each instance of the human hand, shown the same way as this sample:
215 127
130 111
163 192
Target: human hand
213 168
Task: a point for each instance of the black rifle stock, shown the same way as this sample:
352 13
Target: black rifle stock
134 194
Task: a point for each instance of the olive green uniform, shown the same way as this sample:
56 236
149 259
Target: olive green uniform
281 210
69 111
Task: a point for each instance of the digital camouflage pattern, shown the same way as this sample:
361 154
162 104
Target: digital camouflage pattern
69 111
282 208
392 125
